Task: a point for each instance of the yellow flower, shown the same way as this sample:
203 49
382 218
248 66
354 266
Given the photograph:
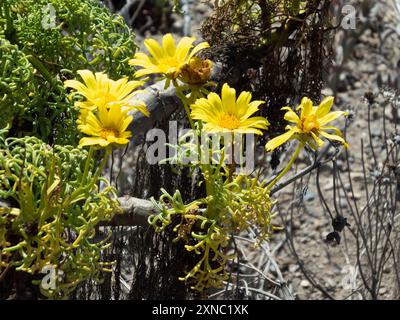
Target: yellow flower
311 124
166 59
106 126
227 114
101 91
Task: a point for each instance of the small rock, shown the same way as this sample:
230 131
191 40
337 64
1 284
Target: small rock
387 269
305 284
316 254
343 203
327 92
357 196
328 186
376 129
303 240
319 223
177 25
357 85
382 290
329 283
202 8
309 196
293 268
382 67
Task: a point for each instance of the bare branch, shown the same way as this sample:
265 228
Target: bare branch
135 212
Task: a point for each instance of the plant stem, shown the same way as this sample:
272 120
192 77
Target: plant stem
87 165
205 169
101 167
185 103
84 187
232 165
286 169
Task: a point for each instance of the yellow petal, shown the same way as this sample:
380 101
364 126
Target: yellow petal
125 89
93 141
248 130
324 107
243 101
104 116
168 44
115 117
184 45
102 82
255 122
78 86
89 78
306 107
140 106
290 115
251 108
215 101
228 95
144 72
121 140
125 124
197 49
279 140
317 139
336 130
330 117
154 48
92 121
85 105
333 137
140 59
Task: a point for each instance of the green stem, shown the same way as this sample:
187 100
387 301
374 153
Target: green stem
101 167
43 70
84 187
87 165
205 169
286 169
185 103
232 165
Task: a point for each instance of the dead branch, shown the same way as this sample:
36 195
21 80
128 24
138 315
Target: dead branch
160 103
135 212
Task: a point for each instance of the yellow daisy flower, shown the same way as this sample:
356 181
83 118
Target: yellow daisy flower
166 59
106 126
99 91
311 125
228 114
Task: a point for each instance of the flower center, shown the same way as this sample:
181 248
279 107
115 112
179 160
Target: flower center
228 121
109 132
309 123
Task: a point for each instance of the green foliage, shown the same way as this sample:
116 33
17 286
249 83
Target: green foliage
51 40
57 208
16 82
206 225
